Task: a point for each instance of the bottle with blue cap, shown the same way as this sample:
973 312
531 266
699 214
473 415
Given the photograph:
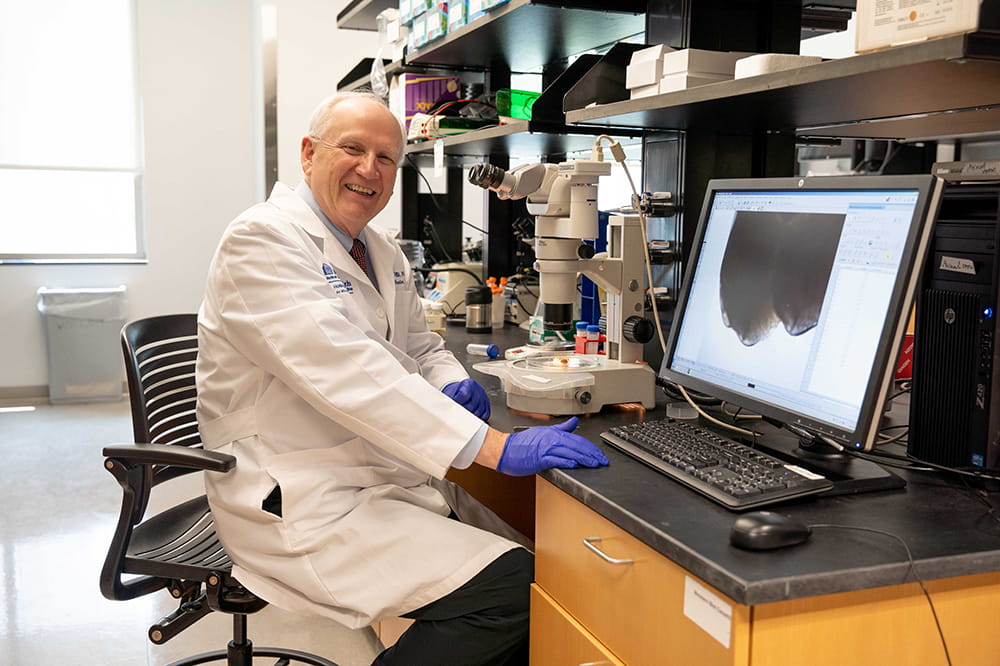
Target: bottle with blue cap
593 338
490 351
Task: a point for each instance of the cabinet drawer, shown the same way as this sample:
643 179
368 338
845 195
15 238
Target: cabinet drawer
634 606
556 638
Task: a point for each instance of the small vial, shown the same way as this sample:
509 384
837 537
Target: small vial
593 338
490 351
580 339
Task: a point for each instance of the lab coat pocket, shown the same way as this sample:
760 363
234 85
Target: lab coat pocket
318 488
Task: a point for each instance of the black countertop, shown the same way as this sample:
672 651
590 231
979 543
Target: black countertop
948 525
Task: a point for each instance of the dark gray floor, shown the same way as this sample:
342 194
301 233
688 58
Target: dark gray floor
60 511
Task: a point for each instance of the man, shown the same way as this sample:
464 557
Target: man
316 370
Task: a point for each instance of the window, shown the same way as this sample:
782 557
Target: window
70 165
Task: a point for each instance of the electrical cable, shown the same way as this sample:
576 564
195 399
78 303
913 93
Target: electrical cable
984 497
619 155
450 270
736 415
909 571
450 104
434 196
894 438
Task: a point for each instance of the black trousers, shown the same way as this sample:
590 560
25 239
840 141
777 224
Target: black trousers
482 623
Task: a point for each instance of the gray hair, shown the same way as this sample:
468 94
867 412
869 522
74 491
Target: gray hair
319 121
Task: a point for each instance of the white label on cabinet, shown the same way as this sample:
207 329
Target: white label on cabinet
708 610
439 158
958 265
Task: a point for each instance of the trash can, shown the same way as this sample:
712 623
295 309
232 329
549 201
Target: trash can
82 329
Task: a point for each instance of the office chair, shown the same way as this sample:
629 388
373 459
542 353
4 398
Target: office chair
177 548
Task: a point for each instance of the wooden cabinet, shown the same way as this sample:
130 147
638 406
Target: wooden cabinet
635 606
566 640
645 610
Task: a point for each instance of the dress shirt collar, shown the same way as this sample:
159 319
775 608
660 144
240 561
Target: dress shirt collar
345 239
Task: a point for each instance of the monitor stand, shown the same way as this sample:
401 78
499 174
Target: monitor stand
850 474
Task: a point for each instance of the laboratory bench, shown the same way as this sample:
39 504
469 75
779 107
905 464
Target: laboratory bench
634 568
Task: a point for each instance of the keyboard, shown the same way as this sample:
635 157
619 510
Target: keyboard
735 475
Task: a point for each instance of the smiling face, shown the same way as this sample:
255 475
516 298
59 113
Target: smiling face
352 167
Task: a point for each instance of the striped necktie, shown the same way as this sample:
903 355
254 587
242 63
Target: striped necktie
358 252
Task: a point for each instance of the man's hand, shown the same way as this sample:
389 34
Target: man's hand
470 395
536 449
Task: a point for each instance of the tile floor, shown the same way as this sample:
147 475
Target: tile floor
61 508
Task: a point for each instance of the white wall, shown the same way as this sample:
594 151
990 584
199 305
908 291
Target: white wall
313 56
202 117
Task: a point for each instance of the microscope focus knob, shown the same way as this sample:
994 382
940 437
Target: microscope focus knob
638 329
585 251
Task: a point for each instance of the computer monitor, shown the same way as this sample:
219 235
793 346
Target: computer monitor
796 297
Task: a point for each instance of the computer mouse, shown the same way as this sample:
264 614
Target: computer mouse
766 530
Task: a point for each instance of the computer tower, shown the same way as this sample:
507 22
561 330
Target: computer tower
954 415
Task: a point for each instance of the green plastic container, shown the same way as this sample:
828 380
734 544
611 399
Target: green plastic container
515 103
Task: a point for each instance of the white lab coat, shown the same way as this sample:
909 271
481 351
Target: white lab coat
321 385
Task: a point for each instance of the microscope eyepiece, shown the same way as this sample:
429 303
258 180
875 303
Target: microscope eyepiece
486 175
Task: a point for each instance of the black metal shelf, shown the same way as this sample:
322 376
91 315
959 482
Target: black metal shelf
525 35
360 76
361 14
520 139
941 87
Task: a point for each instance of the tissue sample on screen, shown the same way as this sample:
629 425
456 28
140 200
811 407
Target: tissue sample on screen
775 270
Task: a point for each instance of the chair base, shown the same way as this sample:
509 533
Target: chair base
243 655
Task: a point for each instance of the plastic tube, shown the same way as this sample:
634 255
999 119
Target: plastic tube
491 351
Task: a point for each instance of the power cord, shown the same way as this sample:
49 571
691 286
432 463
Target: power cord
619 154
910 571
434 196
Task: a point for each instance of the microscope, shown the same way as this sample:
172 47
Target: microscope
563 200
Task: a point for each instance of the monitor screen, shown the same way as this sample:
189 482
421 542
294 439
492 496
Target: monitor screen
797 294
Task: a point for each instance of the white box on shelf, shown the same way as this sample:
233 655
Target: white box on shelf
885 23
683 80
644 91
645 67
699 62
764 63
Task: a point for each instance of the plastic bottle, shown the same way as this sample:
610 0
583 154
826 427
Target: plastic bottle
434 314
491 351
580 339
593 338
498 306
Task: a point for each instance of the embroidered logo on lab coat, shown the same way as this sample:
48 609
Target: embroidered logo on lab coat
339 286
397 277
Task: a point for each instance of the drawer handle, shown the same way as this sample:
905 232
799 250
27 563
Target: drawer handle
589 543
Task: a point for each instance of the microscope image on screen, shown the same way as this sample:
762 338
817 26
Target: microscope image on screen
776 269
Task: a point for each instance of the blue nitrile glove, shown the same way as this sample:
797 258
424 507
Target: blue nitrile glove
536 449
470 395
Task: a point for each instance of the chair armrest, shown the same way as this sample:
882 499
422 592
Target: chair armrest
168 454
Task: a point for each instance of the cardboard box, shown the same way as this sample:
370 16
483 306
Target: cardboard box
418 31
644 91
421 7
476 8
885 23
437 21
673 82
699 62
406 11
457 14
645 67
764 63
418 93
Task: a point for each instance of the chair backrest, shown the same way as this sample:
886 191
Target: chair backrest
160 354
